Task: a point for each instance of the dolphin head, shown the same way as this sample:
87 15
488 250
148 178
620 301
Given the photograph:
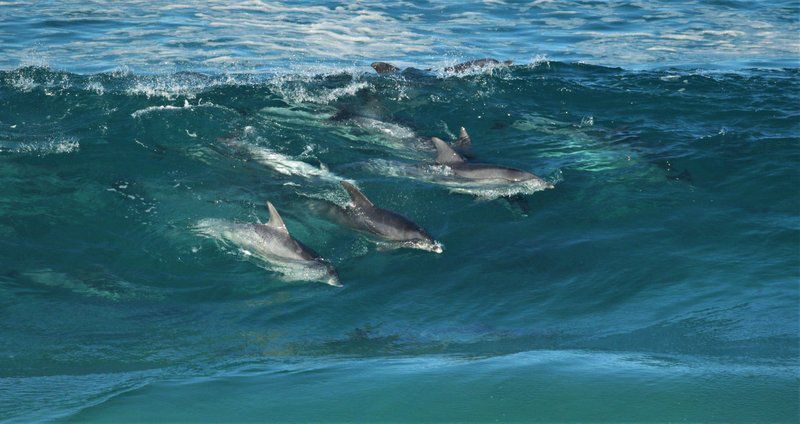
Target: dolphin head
420 239
331 276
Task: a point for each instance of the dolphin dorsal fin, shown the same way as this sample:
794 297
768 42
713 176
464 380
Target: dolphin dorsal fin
445 155
275 220
359 200
464 141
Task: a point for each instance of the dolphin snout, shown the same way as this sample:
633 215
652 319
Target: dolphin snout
334 281
333 277
432 246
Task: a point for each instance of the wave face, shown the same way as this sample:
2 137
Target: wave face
665 256
657 280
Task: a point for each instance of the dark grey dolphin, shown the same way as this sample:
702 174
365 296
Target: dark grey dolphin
384 68
363 216
278 246
388 68
480 172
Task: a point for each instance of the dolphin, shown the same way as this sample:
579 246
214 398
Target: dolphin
387 68
364 216
481 173
384 68
272 243
280 246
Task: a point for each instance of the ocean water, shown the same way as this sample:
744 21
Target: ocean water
657 281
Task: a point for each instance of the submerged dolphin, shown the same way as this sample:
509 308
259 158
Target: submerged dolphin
482 173
363 216
388 68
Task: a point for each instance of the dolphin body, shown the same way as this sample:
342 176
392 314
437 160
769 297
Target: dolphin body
480 173
273 243
364 216
388 68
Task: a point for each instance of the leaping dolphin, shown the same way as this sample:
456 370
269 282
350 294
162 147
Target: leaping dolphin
364 216
482 173
388 68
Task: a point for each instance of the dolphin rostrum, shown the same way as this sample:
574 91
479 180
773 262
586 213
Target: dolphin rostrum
480 172
363 216
277 246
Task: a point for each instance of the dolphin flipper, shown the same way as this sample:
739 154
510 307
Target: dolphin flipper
275 220
445 155
359 200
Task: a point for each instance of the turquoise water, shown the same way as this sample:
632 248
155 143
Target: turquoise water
658 280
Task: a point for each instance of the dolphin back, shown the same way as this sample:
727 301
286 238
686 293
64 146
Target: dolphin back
384 68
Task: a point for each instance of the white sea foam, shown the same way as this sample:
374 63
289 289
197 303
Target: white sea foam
96 87
295 89
186 106
23 83
52 145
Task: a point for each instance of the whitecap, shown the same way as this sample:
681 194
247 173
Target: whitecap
53 145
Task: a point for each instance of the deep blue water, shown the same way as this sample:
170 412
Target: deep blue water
657 281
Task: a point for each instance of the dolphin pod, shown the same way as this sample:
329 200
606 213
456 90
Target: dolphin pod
274 244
